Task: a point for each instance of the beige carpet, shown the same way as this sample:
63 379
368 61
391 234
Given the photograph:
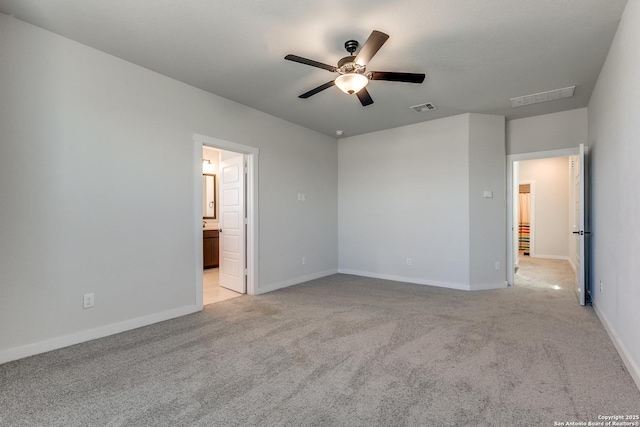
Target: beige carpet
342 350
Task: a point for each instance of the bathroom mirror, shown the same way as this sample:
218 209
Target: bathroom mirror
208 196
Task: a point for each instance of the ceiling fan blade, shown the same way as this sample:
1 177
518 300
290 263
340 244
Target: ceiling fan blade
364 97
311 62
397 77
370 47
318 89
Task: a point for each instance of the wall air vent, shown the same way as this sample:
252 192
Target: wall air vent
550 95
427 106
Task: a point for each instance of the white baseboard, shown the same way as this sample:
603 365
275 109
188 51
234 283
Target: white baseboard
628 361
295 281
450 285
489 286
92 334
559 257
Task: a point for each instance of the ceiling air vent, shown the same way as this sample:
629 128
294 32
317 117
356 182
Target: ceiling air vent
550 95
427 106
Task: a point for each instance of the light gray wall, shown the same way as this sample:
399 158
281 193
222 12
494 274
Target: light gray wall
213 155
307 163
97 187
487 234
551 230
566 129
405 193
614 138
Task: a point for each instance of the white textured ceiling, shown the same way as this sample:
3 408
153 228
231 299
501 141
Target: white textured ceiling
477 54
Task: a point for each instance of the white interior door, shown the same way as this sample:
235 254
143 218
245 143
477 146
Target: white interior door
580 225
232 231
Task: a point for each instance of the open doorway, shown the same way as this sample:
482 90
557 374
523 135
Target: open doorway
539 204
574 233
226 219
221 278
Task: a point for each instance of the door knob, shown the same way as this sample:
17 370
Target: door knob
220 230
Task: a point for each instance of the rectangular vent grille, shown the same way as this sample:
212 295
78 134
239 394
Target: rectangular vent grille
427 106
550 95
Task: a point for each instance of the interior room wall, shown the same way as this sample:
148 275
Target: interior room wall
515 218
487 216
213 156
97 183
574 219
614 135
552 200
404 193
566 129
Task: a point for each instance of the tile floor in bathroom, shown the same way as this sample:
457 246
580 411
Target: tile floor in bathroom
211 289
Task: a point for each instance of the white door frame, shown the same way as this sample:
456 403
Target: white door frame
566 152
252 155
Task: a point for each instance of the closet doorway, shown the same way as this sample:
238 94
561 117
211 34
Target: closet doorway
526 192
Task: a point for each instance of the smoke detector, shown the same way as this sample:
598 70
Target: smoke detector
427 106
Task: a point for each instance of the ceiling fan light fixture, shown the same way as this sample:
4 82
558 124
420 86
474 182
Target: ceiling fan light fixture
352 82
352 70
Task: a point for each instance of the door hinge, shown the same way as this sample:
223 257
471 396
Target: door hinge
246 220
246 271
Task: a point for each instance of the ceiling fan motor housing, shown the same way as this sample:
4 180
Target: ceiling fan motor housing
347 66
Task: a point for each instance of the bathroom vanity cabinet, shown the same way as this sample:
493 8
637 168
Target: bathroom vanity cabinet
210 240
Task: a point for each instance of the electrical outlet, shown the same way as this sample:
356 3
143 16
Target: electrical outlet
89 300
497 265
304 260
304 197
408 261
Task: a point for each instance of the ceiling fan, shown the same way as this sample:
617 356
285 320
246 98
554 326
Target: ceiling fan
353 76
